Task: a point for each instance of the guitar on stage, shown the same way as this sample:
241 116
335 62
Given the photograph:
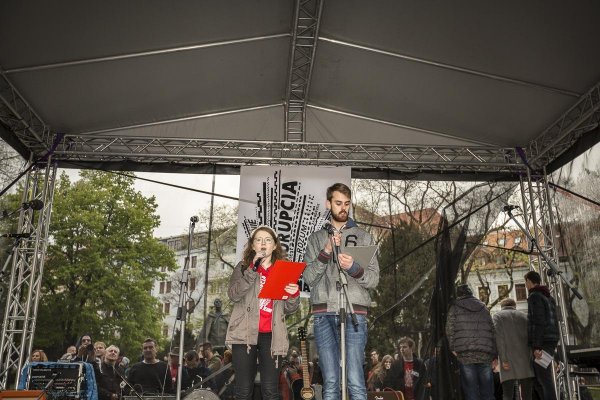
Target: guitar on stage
302 389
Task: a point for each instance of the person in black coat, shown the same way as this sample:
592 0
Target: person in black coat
109 381
407 374
542 329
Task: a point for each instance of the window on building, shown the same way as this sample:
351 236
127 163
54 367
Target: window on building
194 261
165 330
501 242
521 292
161 288
174 244
167 308
163 269
168 288
518 240
192 283
502 291
483 294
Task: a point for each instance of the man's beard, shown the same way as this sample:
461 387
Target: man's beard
339 217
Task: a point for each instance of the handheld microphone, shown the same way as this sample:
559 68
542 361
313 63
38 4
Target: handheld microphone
509 207
330 228
257 264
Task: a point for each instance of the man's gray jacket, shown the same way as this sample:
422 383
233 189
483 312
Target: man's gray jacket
321 274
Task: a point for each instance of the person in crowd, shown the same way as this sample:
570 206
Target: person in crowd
213 359
323 277
257 328
150 376
99 348
38 356
470 333
376 379
542 331
194 370
69 355
407 374
83 344
174 369
225 386
111 375
374 361
514 355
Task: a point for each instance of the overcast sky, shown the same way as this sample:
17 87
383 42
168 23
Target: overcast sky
176 206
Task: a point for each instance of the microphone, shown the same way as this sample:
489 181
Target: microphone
34 204
330 228
16 235
509 207
257 264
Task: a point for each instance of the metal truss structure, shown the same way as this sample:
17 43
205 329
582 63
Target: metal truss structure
539 220
28 256
21 119
196 151
304 44
582 117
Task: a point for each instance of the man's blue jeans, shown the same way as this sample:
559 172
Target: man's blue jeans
327 338
477 381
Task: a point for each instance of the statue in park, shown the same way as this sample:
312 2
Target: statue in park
215 326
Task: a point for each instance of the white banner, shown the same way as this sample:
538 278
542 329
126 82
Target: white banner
290 200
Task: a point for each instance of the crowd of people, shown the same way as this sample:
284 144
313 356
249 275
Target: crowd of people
516 344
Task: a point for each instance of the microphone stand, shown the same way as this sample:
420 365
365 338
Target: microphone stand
554 273
124 380
343 301
181 310
551 264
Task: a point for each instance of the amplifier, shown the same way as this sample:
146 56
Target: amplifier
67 379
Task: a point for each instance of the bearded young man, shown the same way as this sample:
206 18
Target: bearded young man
322 276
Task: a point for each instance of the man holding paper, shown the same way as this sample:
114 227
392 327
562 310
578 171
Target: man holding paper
543 333
323 277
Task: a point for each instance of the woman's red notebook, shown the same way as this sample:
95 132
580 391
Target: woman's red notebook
283 273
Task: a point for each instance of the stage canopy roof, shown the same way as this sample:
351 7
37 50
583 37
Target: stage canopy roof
408 87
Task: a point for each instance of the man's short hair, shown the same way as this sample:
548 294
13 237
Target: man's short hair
533 277
192 355
338 187
207 346
508 303
112 345
406 340
99 342
374 351
148 340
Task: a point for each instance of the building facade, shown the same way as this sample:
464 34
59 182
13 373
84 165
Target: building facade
220 265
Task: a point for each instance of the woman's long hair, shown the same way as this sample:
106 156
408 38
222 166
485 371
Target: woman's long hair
378 373
249 253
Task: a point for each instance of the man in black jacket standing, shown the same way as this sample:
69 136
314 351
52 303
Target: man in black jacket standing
408 373
470 333
542 329
109 382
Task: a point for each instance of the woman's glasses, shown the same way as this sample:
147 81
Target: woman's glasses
263 240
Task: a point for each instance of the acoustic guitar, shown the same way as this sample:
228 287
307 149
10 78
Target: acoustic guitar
304 392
